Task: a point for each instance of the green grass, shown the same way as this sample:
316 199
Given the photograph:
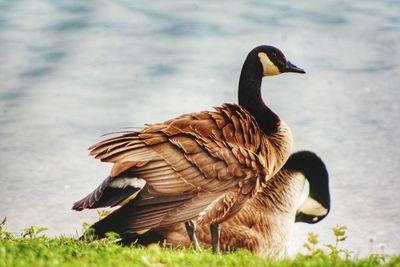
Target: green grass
31 249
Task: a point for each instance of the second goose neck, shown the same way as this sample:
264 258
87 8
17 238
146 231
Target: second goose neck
250 97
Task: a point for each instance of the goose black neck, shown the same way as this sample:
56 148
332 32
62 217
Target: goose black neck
250 95
314 170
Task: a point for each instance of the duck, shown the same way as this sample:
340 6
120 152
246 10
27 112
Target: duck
264 225
201 166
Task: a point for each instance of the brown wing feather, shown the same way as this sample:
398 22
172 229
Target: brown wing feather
230 203
216 153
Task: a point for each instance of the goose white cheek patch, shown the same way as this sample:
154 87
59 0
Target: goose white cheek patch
269 68
312 207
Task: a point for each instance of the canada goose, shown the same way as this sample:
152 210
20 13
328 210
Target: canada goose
264 224
202 165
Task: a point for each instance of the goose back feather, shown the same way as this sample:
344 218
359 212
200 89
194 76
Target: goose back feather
213 162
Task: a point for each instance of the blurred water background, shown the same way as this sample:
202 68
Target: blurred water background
73 70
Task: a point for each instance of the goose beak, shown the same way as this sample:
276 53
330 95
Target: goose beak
312 211
306 218
293 68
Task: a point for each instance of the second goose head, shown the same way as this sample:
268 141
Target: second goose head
317 204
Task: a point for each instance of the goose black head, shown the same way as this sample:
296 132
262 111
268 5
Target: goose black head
317 205
273 61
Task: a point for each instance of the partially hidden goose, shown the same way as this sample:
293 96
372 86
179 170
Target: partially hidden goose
264 224
203 165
